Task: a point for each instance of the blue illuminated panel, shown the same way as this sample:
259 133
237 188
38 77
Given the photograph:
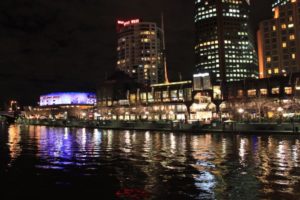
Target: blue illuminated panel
68 98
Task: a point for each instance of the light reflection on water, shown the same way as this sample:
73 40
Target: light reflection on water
165 165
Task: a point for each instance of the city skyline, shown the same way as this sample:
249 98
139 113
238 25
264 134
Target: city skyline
54 46
139 99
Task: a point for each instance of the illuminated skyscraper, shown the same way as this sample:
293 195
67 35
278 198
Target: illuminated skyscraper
279 3
279 41
140 51
224 43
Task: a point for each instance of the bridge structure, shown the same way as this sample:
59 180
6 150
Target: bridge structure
10 116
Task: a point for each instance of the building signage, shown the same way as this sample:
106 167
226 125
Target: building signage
68 98
129 22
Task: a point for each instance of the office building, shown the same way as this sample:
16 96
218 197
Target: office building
279 41
140 51
224 42
279 3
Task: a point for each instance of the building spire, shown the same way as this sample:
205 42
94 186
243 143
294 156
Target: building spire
164 49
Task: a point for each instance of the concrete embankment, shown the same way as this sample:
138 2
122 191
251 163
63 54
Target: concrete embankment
250 128
121 125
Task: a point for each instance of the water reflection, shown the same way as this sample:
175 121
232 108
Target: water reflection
14 139
166 165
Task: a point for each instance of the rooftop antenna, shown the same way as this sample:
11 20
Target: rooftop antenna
164 49
180 76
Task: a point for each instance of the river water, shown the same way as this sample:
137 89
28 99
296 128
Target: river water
40 162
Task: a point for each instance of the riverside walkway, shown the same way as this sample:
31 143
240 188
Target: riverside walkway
261 128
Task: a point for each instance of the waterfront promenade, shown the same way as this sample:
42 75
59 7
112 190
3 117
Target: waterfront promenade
195 127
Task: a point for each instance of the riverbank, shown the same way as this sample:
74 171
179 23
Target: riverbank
169 126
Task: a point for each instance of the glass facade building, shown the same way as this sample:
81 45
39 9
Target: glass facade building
279 3
224 42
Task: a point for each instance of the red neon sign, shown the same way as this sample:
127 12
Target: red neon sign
129 22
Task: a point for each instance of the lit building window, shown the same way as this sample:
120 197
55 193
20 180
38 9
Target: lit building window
263 92
252 93
174 95
275 90
166 96
284 45
240 93
292 37
288 90
269 71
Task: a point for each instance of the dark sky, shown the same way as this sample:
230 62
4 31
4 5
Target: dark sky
56 45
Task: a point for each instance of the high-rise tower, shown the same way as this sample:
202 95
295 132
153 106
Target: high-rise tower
279 41
279 3
140 51
224 42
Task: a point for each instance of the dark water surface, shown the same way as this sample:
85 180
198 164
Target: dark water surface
43 162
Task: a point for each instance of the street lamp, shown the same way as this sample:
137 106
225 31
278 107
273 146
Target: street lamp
83 115
171 113
241 111
97 116
280 110
147 115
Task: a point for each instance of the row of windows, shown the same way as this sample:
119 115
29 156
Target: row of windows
264 92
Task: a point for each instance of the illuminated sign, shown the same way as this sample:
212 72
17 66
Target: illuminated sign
129 22
201 75
68 98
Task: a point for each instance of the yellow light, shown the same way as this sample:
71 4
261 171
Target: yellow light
276 13
174 83
283 26
269 71
284 45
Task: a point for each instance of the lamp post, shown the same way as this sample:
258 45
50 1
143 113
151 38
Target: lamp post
147 115
83 115
171 114
241 112
280 110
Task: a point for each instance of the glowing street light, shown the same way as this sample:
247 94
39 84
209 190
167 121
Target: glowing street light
241 110
280 109
83 115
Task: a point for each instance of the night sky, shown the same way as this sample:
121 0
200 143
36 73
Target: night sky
59 45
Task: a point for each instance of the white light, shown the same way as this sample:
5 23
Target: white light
241 110
201 75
